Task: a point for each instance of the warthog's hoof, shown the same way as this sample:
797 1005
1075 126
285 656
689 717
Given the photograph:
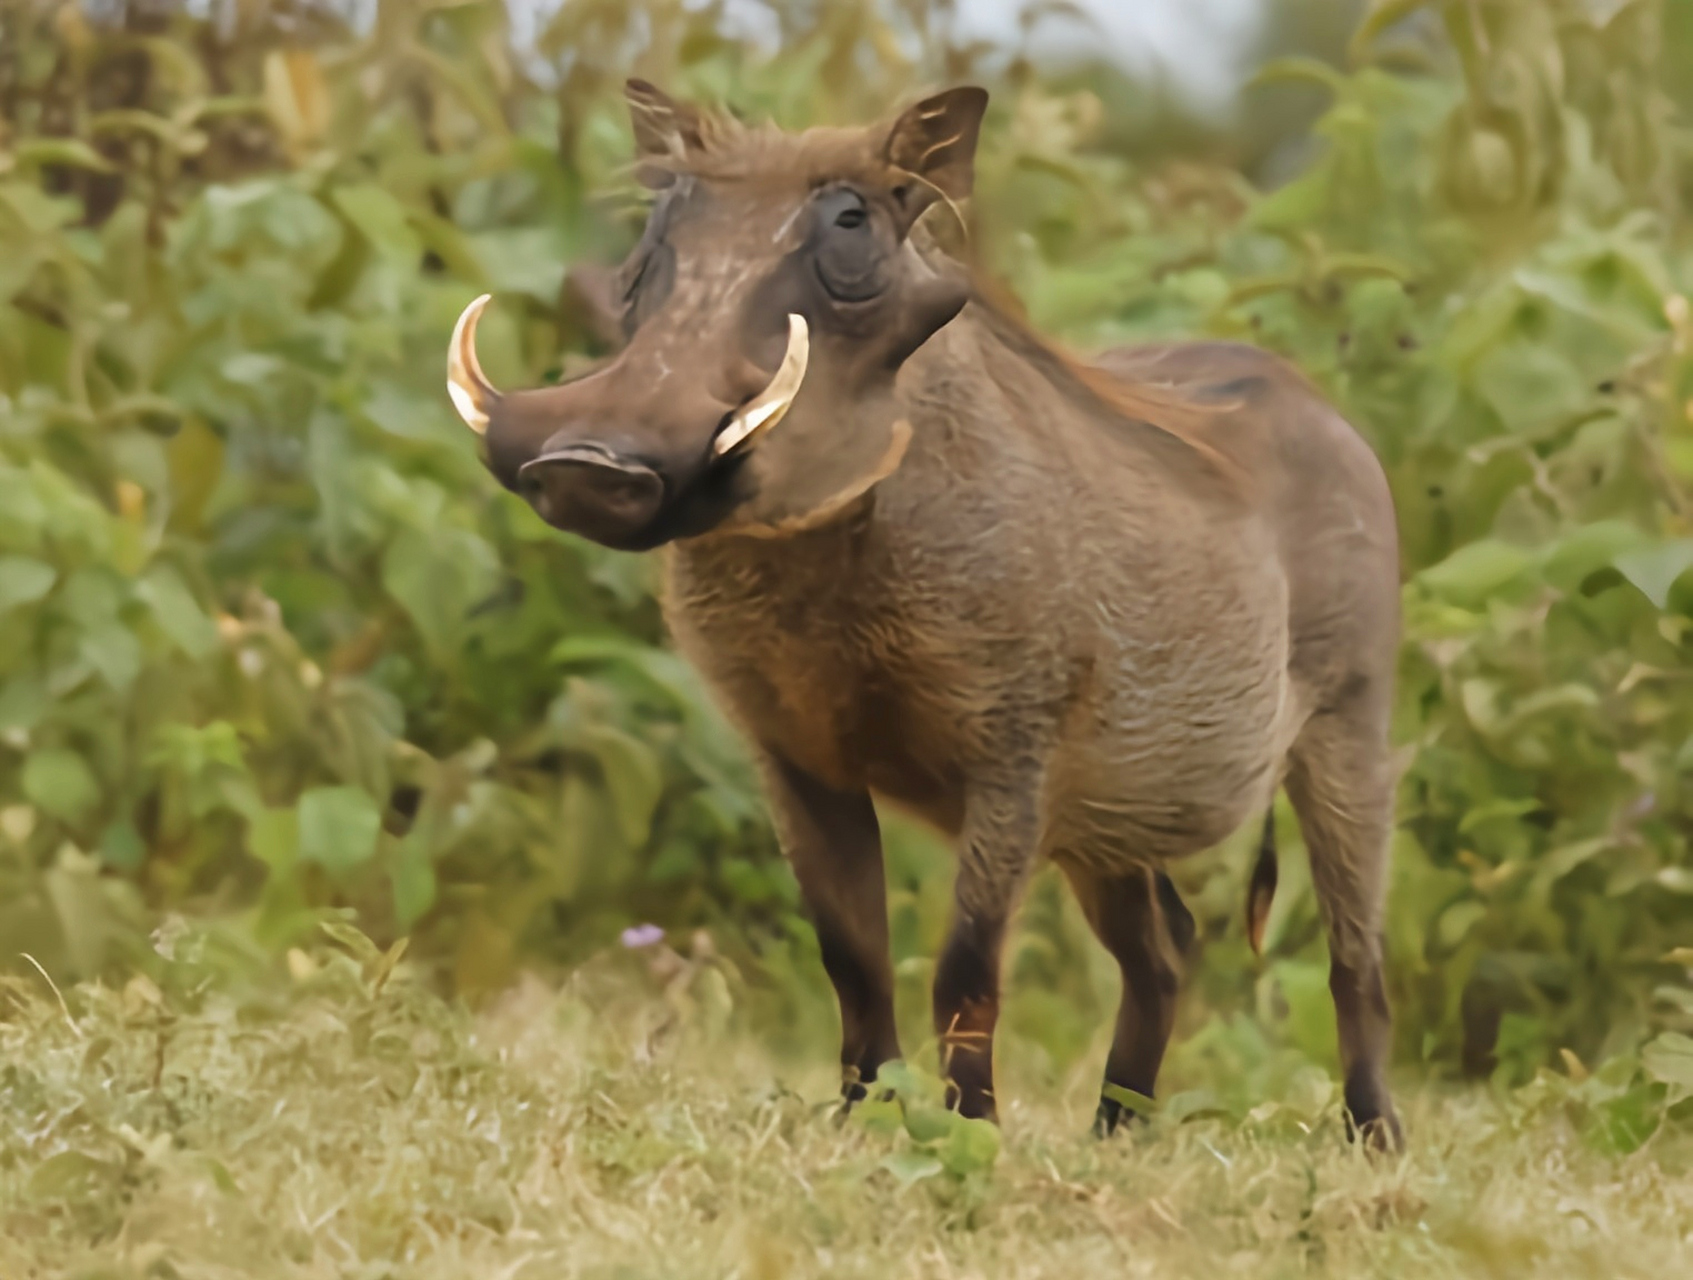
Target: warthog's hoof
1380 1135
1113 1115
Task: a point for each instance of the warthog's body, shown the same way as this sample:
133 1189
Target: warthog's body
1092 615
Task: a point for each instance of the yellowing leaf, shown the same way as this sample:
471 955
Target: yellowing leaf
296 98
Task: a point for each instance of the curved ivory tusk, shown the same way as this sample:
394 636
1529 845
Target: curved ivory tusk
473 395
766 409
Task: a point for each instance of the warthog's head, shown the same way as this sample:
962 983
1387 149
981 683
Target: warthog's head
767 308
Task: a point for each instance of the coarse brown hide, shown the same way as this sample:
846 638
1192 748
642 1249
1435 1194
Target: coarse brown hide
1089 613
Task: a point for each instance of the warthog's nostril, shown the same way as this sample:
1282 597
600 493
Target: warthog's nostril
585 488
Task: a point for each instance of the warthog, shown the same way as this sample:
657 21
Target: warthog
1090 613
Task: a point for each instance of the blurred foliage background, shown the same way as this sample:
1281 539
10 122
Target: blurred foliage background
274 649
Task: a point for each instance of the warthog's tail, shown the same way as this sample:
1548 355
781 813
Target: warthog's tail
1263 888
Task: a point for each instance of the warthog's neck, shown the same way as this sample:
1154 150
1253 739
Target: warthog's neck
1005 432
1039 548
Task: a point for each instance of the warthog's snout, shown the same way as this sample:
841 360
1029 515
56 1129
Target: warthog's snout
618 456
586 489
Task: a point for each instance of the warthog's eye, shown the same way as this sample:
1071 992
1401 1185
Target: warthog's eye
851 257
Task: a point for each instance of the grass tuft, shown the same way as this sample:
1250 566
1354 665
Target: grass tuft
347 1122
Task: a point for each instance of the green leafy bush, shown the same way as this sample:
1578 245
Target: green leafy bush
272 643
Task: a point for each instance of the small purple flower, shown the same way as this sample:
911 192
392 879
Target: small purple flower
642 935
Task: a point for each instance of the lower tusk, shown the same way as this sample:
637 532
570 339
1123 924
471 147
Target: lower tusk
772 404
472 394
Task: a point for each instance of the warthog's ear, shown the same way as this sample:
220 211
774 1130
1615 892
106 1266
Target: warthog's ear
665 132
936 141
663 127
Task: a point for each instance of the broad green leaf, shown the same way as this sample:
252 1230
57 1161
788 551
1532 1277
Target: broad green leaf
381 219
1299 201
24 580
1655 569
1474 572
1495 810
112 649
1458 920
209 762
1669 1060
24 701
971 1147
410 416
414 881
1584 550
177 612
910 1083
910 1167
928 1123
273 837
1622 1125
60 782
527 260
338 828
37 211
1479 700
121 846
439 577
1559 862
1128 1099
881 1116
1192 1104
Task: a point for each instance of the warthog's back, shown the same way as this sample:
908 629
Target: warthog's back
1321 493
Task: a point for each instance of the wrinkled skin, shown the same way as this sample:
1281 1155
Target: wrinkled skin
1089 614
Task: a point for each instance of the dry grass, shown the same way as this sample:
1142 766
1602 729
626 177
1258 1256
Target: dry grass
343 1127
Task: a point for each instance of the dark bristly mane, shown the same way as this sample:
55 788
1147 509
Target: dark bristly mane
722 148
1165 409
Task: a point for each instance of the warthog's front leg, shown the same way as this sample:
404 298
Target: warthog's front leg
835 846
996 854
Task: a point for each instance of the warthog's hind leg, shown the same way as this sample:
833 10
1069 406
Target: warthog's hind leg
1145 927
1340 781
